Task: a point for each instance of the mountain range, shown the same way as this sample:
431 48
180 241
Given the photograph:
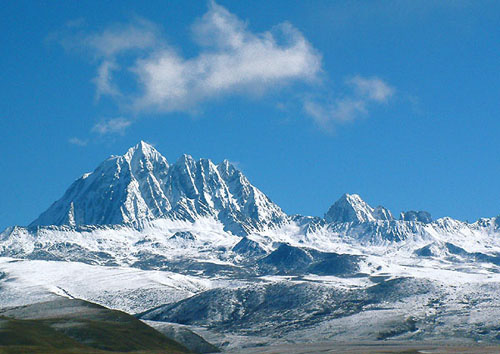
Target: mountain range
141 186
195 243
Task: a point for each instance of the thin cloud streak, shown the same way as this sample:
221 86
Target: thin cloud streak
112 126
104 80
366 92
77 141
140 34
373 88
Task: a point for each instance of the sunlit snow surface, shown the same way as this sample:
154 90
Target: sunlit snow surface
196 243
437 281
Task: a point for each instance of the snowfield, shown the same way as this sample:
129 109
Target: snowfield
129 289
195 243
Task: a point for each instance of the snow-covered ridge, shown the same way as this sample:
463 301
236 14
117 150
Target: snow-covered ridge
196 243
141 186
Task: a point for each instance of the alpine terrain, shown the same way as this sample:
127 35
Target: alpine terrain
193 247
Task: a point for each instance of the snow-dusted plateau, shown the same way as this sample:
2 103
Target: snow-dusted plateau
195 243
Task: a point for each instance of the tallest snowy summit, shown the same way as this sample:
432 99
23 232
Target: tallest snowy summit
141 185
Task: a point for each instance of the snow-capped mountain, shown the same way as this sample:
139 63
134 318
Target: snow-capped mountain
184 208
122 190
353 218
351 208
194 242
141 186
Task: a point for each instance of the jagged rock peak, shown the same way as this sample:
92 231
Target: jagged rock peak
185 159
412 215
351 208
226 167
123 189
140 186
142 150
143 156
382 213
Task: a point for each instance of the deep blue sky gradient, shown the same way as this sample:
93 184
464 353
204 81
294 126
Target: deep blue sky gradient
434 146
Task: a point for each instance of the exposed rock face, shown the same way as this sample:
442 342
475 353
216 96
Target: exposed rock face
141 186
350 208
421 216
196 243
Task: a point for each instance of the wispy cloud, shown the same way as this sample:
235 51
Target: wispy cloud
140 34
104 80
112 126
78 141
231 60
373 88
366 91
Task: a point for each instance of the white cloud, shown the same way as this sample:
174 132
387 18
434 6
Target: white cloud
77 141
112 126
103 80
231 60
367 91
372 88
138 35
341 110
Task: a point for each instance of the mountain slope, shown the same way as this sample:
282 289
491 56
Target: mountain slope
122 190
141 186
194 242
71 324
350 208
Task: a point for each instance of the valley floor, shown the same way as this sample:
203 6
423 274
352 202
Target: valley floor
415 304
368 348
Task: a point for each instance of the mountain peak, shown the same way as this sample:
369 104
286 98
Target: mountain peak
382 213
412 215
142 149
122 190
185 159
350 208
351 198
140 186
226 167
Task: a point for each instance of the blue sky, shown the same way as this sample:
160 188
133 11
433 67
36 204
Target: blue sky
397 101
